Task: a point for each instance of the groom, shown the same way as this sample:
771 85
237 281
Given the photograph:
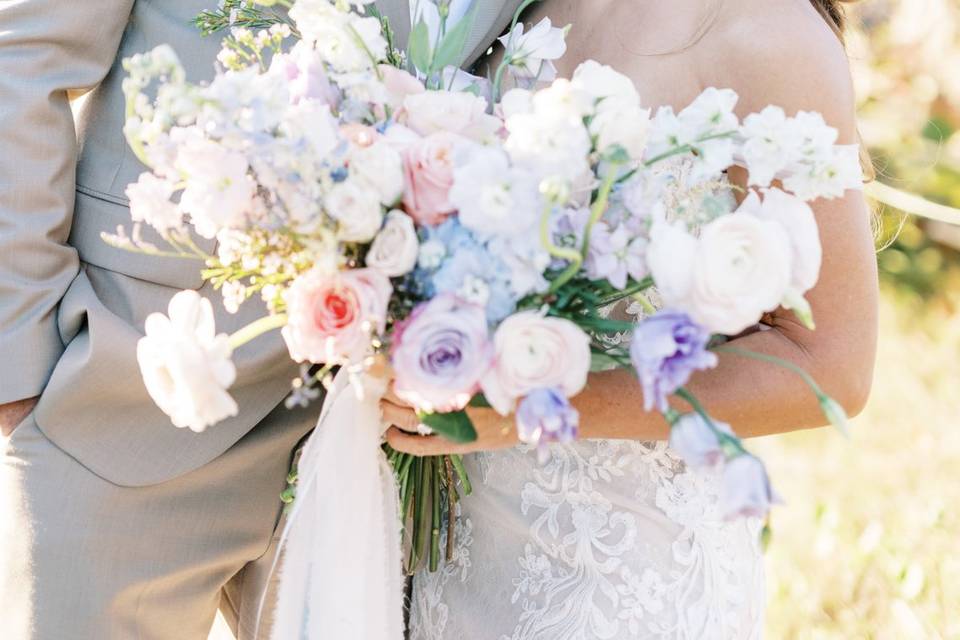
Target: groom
113 523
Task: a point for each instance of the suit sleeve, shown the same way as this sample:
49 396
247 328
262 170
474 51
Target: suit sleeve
47 49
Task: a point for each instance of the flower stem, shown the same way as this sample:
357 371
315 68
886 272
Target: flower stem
727 441
256 329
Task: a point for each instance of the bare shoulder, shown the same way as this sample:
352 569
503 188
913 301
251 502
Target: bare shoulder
781 52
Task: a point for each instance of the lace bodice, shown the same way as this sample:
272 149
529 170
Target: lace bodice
608 540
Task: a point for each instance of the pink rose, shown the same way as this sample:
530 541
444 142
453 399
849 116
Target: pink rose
440 354
428 171
536 352
399 84
332 316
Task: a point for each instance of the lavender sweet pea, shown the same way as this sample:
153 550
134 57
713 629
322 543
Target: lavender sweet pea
746 489
666 349
546 416
694 441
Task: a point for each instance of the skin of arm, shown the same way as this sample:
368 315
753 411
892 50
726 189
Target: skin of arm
756 398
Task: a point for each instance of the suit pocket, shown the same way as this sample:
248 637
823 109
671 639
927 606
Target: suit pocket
96 212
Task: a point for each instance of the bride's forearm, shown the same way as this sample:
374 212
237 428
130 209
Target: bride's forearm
756 398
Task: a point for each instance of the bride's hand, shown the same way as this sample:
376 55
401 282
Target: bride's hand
493 431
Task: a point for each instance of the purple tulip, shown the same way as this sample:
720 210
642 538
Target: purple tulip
694 441
546 416
666 349
746 489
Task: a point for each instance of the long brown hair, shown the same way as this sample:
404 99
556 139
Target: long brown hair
832 11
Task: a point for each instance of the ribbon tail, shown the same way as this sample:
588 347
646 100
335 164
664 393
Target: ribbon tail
342 573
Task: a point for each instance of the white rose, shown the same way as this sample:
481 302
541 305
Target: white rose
461 113
150 203
536 352
381 166
186 366
605 85
797 219
356 208
624 126
531 53
394 251
492 197
740 269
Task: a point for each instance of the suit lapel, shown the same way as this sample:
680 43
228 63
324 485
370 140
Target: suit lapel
492 17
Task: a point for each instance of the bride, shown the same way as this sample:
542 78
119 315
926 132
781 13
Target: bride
613 537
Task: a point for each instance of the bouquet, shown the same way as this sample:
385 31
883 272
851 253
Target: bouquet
394 213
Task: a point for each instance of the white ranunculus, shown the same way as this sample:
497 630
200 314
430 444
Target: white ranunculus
219 192
150 203
356 208
186 365
395 249
494 198
624 126
671 256
800 225
462 113
380 166
607 86
536 352
741 271
531 53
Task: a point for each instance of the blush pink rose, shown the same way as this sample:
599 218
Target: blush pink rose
428 177
399 84
332 316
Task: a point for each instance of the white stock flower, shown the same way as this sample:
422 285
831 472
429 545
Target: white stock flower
356 208
562 100
738 269
827 177
455 112
531 53
219 192
625 126
550 147
536 352
186 366
394 251
336 34
380 166
150 203
771 143
492 197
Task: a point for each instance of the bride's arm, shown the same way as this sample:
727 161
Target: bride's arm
755 397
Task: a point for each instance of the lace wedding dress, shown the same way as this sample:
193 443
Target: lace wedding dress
608 540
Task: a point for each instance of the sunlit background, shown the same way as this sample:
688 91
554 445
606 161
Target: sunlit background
868 545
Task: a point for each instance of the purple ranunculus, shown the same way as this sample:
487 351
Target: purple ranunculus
666 349
694 441
440 354
746 488
546 416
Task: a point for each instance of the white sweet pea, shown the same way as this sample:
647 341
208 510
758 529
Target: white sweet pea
219 192
380 166
356 207
531 53
494 198
606 86
827 177
562 100
150 203
186 365
770 144
394 250
625 126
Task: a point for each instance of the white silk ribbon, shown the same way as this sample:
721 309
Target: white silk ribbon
341 574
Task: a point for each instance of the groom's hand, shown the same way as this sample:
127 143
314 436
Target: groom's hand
13 413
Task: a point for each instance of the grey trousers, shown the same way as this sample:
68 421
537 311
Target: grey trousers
84 559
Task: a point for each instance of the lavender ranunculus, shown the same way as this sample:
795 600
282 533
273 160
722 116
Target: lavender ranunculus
666 349
441 353
546 416
694 441
746 489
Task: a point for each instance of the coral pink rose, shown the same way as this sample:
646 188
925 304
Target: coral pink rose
332 316
428 172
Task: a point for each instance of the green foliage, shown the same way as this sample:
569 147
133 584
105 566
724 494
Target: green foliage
455 426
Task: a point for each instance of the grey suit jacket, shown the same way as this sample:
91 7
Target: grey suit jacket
71 307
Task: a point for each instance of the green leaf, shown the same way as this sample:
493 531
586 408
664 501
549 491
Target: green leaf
603 362
480 401
450 49
456 427
419 48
